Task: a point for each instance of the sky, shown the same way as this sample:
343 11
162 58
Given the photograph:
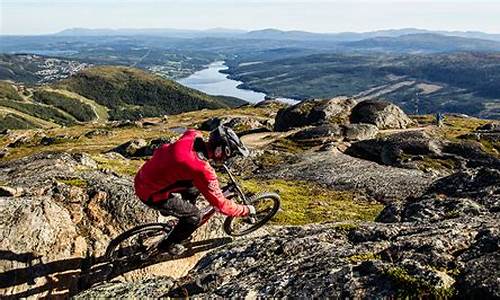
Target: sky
26 17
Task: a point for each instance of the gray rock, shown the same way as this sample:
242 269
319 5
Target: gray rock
272 104
340 171
418 150
240 124
98 132
130 148
6 191
384 115
359 132
314 112
318 135
20 140
371 260
54 234
149 288
4 153
466 193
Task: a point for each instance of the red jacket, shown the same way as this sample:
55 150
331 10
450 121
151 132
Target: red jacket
174 167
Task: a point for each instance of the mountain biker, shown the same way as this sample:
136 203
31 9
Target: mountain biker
176 174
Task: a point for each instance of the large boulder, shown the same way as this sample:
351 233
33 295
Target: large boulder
420 150
314 112
240 124
328 133
383 114
130 148
363 261
140 147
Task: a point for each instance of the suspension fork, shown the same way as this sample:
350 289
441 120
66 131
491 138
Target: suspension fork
239 191
236 185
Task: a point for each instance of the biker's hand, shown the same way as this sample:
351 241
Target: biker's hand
251 210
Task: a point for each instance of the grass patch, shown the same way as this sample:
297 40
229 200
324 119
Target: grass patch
120 166
7 91
270 159
345 228
12 121
287 145
305 203
410 286
455 127
356 258
491 147
437 164
75 182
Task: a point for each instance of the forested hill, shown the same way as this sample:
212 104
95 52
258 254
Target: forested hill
98 94
130 92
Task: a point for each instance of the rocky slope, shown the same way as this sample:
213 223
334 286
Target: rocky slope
442 244
437 235
58 214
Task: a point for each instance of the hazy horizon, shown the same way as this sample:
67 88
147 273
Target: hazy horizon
34 17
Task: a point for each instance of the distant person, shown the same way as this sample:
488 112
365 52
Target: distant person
176 174
439 119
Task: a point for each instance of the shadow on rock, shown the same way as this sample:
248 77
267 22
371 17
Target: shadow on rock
89 270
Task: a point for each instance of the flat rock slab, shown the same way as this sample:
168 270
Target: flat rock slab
341 171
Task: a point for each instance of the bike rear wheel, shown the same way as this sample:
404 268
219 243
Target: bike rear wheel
266 206
137 243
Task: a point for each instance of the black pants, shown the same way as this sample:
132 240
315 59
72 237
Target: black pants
182 206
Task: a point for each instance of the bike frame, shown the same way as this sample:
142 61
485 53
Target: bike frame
209 211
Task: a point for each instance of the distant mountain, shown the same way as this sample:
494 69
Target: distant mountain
425 42
271 33
165 32
356 36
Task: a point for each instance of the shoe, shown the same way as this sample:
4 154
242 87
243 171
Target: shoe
172 249
176 249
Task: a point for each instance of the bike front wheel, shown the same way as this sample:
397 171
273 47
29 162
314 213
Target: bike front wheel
137 243
266 206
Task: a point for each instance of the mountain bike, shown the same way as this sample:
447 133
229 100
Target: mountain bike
140 243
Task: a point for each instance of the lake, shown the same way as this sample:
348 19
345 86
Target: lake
213 82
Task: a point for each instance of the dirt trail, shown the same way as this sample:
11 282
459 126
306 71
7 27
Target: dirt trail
261 139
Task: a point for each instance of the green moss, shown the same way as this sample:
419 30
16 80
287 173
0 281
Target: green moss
491 147
120 166
438 164
410 286
455 126
75 182
304 203
346 227
270 159
363 257
287 146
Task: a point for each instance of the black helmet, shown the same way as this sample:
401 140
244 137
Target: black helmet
226 138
